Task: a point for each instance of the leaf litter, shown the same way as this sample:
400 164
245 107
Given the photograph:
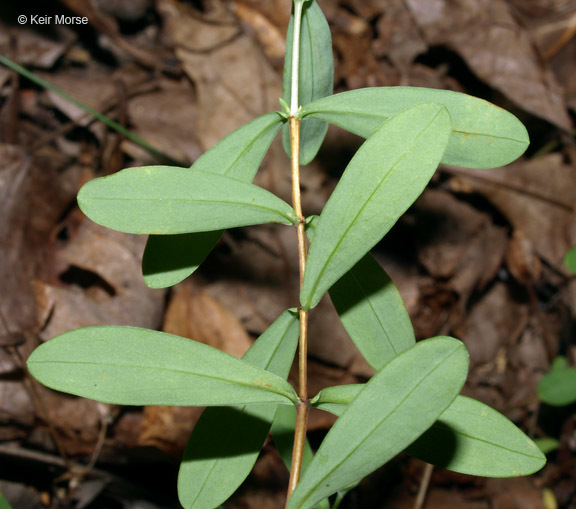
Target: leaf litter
478 256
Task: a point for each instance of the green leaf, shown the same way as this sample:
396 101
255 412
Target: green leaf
4 504
372 312
469 437
226 441
547 445
558 387
570 260
132 366
164 200
483 135
337 398
316 77
395 407
472 438
370 308
221 452
383 179
239 154
168 259
559 363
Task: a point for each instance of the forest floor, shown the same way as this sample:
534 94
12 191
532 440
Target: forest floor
479 256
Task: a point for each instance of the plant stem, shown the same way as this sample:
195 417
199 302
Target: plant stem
298 5
296 200
298 450
303 406
339 497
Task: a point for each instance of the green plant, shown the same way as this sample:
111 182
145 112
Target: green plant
412 403
558 386
4 504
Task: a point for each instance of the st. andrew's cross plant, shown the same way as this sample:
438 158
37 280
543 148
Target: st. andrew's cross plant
413 401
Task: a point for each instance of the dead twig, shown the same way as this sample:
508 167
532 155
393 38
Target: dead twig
424 485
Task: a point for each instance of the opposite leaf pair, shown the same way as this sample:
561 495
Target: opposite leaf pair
412 402
482 136
383 179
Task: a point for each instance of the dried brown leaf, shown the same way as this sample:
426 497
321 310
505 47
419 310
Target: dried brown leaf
21 495
539 9
92 87
536 197
40 49
107 25
12 339
166 119
514 494
227 67
497 49
269 35
16 406
367 9
168 428
399 38
357 63
495 322
194 314
126 11
277 12
33 196
552 26
457 243
565 70
530 352
521 258
102 270
439 499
